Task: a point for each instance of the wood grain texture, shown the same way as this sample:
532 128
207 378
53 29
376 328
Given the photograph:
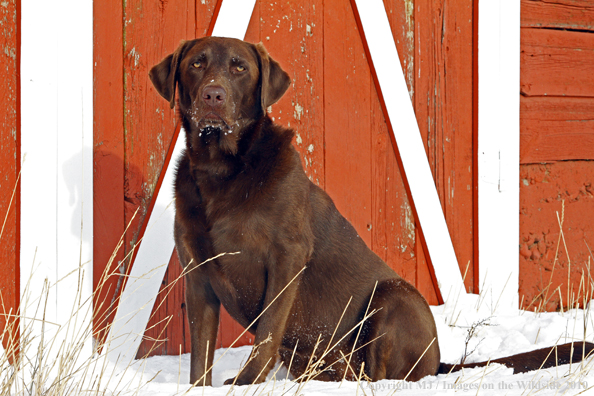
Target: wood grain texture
558 14
443 99
556 129
293 33
557 63
393 220
151 31
347 102
549 193
10 159
108 159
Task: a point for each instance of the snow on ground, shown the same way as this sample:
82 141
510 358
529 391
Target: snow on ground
504 333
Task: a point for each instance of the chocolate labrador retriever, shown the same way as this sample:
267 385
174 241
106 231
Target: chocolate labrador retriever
304 283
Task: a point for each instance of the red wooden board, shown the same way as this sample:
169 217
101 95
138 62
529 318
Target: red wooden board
557 63
347 101
443 97
10 159
560 14
108 159
556 129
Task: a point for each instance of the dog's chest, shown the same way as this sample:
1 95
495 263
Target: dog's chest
240 279
241 230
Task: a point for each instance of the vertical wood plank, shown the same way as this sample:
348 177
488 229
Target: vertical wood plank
10 159
108 159
499 151
151 32
423 69
293 33
38 83
393 224
347 98
56 231
444 108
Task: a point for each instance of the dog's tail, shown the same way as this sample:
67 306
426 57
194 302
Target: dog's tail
534 360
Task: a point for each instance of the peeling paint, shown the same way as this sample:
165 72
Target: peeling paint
135 55
409 63
298 111
408 228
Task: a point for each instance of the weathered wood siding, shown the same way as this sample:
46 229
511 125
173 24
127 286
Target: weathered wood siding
9 159
556 151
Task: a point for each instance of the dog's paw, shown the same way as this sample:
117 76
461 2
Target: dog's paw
238 381
229 381
242 380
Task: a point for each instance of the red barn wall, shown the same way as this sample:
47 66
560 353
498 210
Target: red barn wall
556 151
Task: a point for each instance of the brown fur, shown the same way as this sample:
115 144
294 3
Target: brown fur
240 186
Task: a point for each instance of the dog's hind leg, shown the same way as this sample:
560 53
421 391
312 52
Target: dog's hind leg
405 336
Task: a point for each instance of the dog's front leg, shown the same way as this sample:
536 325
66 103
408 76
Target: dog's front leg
278 303
203 309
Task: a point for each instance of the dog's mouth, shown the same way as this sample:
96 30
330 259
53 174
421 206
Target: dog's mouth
209 130
213 125
212 120
214 131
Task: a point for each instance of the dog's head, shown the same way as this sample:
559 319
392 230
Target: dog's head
224 85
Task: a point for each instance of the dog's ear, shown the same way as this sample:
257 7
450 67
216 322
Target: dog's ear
164 75
274 81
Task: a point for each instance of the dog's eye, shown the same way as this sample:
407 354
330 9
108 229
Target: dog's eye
240 69
197 65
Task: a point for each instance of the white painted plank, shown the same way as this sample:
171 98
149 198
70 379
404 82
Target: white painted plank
410 144
236 15
146 275
57 170
499 151
157 245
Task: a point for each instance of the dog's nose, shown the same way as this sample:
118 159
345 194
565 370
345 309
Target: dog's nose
214 95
